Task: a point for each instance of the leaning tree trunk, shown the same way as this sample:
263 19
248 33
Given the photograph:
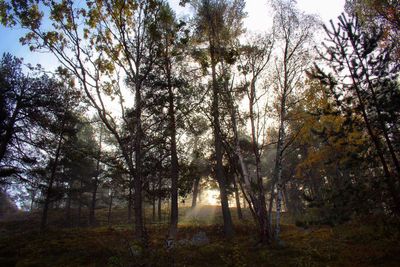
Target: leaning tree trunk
242 169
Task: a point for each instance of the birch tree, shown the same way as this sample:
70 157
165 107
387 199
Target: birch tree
254 58
294 32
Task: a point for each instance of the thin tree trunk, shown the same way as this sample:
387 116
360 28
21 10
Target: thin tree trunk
137 182
271 202
109 208
390 181
92 218
49 190
153 202
159 209
381 120
68 207
196 183
281 138
261 207
9 130
33 196
278 168
80 204
242 166
286 200
174 155
220 176
237 197
159 200
130 200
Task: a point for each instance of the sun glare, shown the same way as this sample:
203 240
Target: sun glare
211 197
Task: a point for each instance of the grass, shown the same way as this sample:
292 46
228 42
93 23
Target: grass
359 243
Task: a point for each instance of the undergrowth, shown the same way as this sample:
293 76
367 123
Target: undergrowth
361 242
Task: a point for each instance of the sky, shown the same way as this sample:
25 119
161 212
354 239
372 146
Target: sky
259 19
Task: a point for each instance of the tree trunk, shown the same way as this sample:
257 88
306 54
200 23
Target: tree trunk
138 205
196 183
237 197
220 176
261 207
159 200
93 202
9 131
241 169
92 218
153 202
68 207
159 211
374 137
80 204
109 208
278 167
130 200
33 196
174 155
49 191
381 120
271 201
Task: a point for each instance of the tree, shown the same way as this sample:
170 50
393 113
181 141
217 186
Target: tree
382 14
95 44
79 165
198 166
330 160
218 24
21 105
294 31
254 59
365 83
34 128
96 177
60 122
170 49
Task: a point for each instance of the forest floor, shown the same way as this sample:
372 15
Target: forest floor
357 243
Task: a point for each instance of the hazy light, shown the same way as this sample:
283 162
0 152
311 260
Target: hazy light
211 197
